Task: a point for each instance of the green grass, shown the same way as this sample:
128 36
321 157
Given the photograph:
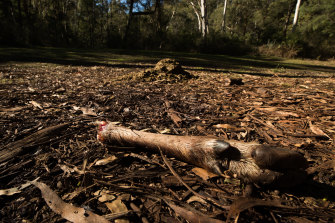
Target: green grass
219 63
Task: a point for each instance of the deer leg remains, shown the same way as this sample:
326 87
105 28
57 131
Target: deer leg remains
250 162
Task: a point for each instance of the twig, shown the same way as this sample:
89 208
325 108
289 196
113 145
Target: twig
210 199
138 212
279 132
273 217
146 159
114 216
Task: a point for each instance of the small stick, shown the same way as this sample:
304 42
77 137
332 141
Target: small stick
217 203
138 212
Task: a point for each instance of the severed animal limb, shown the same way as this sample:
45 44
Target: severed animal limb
250 162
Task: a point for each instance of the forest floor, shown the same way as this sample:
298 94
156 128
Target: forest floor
290 103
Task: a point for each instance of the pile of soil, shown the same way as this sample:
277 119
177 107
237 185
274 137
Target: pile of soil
165 70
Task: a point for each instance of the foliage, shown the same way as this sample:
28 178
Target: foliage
172 25
318 28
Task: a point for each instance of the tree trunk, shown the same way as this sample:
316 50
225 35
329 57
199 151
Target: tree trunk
92 25
202 17
289 13
158 22
296 15
224 15
204 20
197 14
130 18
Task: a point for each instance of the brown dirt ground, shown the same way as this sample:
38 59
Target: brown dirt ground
294 111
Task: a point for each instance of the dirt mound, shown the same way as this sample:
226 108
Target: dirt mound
167 70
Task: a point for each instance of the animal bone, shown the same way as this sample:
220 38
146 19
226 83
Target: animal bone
250 162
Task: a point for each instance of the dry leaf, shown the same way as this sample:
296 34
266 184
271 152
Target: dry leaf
88 111
70 196
10 191
173 114
224 126
191 216
174 117
204 174
323 101
117 206
76 108
36 104
66 210
316 130
196 199
274 111
105 161
31 89
244 134
244 203
262 91
67 170
267 109
104 195
287 114
165 131
14 109
15 190
257 103
199 128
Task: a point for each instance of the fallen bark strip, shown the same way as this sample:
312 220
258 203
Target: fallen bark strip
38 138
250 162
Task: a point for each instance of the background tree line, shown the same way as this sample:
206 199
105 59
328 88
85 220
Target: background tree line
232 27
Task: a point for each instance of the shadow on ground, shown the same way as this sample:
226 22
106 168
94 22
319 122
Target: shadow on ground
142 59
315 189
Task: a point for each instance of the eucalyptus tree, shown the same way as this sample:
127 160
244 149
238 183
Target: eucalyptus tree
224 15
296 14
200 10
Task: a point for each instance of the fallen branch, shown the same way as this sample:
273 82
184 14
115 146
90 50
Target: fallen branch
38 138
250 162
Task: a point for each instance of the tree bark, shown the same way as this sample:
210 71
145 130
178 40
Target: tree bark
296 15
224 15
202 17
197 14
204 20
289 13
